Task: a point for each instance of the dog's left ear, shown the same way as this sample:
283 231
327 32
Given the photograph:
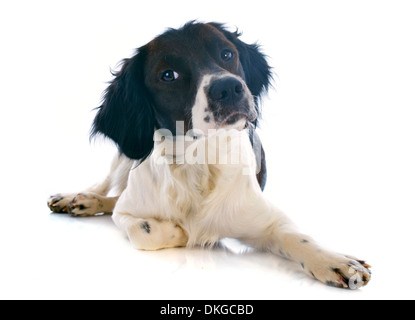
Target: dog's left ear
258 74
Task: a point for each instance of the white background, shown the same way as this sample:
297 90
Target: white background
338 130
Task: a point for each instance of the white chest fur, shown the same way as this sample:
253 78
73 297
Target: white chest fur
202 187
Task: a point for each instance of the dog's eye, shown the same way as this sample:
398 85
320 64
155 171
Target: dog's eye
227 55
169 76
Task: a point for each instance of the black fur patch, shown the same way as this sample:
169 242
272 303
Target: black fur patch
146 227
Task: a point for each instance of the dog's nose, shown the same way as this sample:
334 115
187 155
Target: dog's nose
227 90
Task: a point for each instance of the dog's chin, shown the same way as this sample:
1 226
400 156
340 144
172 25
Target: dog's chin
236 121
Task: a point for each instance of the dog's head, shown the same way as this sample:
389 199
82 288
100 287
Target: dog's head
201 75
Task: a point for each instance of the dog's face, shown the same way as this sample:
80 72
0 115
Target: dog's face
197 77
201 76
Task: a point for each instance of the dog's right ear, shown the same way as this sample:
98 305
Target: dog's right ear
126 115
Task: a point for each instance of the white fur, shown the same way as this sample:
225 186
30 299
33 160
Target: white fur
200 109
196 196
167 205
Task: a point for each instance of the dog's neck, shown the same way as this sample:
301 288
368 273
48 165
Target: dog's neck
191 171
225 148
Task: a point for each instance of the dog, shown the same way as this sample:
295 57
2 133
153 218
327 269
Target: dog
173 110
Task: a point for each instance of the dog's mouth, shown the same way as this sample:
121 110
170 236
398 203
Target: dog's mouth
238 117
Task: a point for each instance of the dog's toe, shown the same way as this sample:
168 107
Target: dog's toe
58 203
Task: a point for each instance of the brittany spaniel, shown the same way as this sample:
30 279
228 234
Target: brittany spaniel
191 168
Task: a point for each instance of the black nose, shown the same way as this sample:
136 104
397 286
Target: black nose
227 90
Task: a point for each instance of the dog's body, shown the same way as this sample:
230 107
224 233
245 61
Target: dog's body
186 189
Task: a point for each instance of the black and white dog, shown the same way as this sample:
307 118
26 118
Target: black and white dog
183 112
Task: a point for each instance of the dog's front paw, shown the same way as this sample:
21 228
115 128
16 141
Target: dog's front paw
59 203
339 270
152 234
85 204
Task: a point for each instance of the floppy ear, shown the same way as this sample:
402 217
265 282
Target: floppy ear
126 115
258 73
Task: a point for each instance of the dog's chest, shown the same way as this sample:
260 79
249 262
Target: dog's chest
198 196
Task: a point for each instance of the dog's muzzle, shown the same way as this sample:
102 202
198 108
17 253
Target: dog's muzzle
230 100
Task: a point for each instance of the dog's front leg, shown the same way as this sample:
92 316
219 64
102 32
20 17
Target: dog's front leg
95 199
151 234
279 235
